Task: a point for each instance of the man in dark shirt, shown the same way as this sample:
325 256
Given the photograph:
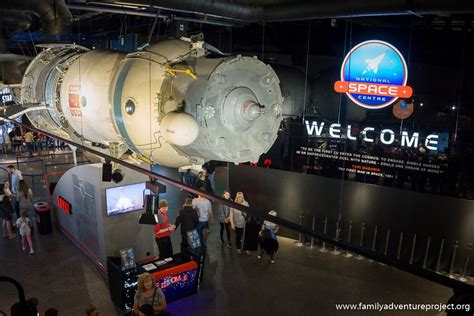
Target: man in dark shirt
188 219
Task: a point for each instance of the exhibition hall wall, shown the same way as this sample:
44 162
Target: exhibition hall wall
423 214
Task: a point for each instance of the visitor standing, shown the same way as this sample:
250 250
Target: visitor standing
204 209
188 219
237 220
23 224
224 219
15 177
6 212
163 231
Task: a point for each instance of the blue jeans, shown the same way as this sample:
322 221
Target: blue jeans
210 176
188 178
16 207
200 229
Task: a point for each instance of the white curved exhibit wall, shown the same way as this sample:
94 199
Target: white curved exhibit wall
88 225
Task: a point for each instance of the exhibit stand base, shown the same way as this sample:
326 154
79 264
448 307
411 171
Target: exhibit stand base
178 276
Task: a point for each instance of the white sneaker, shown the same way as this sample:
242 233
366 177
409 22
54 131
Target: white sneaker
247 252
32 251
259 257
272 261
24 248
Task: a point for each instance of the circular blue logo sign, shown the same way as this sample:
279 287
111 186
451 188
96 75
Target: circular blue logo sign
374 75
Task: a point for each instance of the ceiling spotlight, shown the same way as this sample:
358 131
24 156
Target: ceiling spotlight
421 104
453 108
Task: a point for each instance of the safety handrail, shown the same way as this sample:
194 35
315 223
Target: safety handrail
424 273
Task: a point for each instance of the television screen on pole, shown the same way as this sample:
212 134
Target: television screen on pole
124 199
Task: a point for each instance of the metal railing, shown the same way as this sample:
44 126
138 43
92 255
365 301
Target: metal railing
314 233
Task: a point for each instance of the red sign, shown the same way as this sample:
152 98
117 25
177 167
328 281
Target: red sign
384 90
267 163
366 168
74 100
402 110
64 205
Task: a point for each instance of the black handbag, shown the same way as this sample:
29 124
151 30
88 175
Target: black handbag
162 313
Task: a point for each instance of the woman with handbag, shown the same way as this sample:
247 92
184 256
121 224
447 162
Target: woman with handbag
25 199
224 219
149 293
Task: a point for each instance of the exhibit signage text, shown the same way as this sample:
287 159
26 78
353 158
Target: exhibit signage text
369 134
5 95
64 205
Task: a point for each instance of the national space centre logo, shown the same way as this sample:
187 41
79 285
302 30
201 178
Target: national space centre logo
374 75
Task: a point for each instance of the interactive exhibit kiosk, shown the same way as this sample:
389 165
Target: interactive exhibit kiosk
102 219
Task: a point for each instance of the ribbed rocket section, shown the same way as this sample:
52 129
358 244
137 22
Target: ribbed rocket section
169 104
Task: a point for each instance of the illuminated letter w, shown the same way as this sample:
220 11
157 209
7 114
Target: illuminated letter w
314 128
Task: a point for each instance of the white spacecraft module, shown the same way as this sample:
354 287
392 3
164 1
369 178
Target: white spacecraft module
169 104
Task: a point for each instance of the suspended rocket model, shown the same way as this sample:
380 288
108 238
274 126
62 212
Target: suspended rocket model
169 103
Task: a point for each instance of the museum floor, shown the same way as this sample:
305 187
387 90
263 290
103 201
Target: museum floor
303 281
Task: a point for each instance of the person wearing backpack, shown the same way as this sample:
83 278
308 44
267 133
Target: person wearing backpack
188 219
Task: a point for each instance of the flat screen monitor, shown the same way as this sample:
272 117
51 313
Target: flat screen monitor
124 199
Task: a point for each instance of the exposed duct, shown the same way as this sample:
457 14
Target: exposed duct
12 66
151 13
291 10
12 22
15 21
54 15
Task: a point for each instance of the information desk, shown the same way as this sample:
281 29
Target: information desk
177 278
